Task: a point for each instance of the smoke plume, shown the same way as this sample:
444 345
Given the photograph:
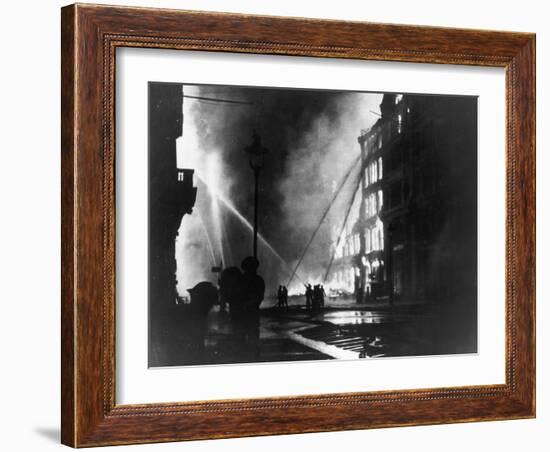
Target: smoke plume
312 142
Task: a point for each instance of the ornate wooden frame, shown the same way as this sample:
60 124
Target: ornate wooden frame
90 35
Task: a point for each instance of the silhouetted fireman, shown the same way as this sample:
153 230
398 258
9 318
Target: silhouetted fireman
318 296
309 297
203 296
315 297
285 297
232 291
280 297
359 294
254 289
254 285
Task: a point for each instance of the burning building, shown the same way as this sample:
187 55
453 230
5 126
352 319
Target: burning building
360 251
413 231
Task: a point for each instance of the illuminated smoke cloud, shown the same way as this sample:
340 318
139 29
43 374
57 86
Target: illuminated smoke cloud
312 138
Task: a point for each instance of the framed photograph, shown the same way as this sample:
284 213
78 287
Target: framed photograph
280 225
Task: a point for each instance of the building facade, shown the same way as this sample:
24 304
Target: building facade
413 235
171 193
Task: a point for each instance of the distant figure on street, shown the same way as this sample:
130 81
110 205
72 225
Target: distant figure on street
285 297
280 297
322 295
315 300
318 297
309 297
359 294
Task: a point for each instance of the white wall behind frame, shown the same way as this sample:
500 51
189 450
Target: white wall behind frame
29 232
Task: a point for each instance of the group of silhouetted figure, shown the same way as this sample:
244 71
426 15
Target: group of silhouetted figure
315 297
240 293
282 297
242 290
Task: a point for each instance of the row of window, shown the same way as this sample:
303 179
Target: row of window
373 172
374 241
349 246
374 203
345 278
374 238
375 141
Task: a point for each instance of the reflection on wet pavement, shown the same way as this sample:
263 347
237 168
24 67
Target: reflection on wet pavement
359 317
362 334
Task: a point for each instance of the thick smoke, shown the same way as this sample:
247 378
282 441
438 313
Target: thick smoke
312 142
316 168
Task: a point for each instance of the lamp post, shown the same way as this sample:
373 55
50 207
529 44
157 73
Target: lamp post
256 153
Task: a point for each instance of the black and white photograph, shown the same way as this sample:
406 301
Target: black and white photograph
291 224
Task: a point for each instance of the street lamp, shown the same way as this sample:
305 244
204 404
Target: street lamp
256 153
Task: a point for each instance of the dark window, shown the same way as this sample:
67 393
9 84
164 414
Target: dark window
395 194
394 159
427 181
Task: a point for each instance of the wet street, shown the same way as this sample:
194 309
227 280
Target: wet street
342 330
348 333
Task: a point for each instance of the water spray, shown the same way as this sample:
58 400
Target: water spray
325 213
